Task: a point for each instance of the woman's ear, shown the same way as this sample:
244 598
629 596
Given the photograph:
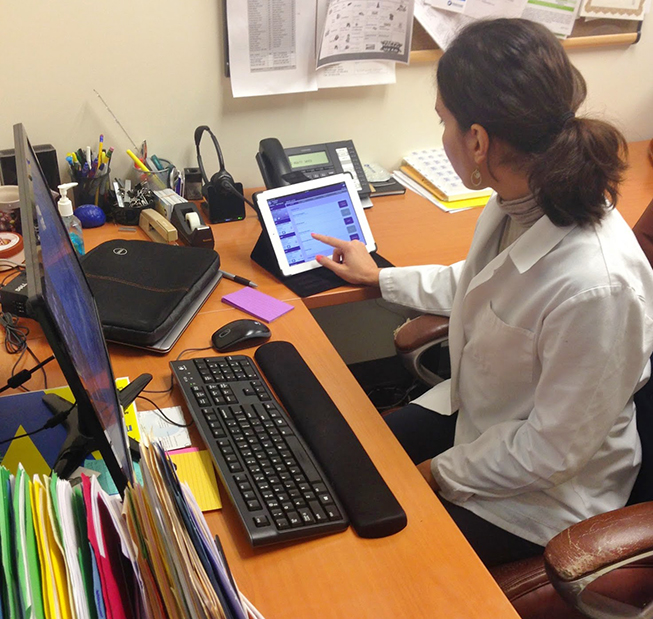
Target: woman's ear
478 143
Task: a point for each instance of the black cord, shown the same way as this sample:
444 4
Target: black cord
229 187
15 334
170 421
17 380
401 396
55 420
172 380
16 344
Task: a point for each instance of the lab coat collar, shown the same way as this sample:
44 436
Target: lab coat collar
525 252
536 243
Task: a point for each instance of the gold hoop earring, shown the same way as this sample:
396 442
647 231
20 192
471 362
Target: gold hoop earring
476 178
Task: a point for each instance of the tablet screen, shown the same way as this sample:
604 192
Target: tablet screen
329 206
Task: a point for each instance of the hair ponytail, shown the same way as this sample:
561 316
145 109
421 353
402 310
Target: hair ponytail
513 77
582 166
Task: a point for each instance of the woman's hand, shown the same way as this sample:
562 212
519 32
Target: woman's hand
425 469
351 261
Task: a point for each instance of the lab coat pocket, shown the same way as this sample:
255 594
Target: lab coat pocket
500 350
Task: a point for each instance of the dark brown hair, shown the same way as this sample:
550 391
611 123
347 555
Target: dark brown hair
513 77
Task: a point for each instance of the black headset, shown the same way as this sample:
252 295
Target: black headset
221 179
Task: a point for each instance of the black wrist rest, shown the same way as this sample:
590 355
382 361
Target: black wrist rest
372 508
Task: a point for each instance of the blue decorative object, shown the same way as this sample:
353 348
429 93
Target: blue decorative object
90 215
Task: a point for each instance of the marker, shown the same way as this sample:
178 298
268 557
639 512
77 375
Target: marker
238 279
137 161
157 163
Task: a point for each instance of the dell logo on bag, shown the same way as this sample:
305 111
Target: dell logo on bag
120 251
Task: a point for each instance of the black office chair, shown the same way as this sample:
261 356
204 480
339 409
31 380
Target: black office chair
600 568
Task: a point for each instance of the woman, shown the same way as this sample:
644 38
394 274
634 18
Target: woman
550 332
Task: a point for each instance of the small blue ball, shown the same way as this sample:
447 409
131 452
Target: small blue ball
90 215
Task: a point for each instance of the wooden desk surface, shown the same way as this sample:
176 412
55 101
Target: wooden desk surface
427 570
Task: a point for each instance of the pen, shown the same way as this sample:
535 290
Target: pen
100 149
238 279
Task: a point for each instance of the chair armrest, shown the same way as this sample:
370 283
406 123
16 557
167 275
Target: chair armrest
417 336
594 547
424 329
600 542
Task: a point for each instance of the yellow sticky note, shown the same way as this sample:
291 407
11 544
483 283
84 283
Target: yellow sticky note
196 469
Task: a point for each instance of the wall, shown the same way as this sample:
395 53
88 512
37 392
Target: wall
159 66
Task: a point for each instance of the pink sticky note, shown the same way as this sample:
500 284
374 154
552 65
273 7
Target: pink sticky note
258 304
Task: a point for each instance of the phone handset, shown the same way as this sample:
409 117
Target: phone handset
275 166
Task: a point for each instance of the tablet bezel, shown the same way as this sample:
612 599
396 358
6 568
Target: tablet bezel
288 190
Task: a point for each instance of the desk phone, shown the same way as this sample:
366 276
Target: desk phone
284 166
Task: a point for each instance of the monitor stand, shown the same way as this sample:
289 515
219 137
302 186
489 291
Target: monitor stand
80 442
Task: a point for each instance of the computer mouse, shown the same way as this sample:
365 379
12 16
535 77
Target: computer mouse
239 334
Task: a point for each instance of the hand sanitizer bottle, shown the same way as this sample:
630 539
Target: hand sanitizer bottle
72 223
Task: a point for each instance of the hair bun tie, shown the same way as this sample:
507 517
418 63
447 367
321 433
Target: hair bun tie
566 116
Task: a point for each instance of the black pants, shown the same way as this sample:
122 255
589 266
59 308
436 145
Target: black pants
424 434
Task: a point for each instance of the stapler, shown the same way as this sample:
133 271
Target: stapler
190 225
157 227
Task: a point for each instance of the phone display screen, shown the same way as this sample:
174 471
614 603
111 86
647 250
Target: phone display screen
306 160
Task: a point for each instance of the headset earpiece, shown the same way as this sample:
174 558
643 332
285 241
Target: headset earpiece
223 197
220 178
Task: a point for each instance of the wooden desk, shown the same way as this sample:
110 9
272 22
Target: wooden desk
427 570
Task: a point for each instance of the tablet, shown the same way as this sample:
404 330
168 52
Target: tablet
328 205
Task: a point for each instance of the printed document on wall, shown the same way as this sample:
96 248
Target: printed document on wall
559 16
486 9
271 46
616 9
351 73
367 30
357 73
442 26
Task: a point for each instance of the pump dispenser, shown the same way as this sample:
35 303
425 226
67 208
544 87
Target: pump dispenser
72 223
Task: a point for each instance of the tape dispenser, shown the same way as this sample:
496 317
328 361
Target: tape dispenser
190 225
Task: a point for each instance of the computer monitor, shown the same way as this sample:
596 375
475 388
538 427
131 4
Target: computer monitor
62 302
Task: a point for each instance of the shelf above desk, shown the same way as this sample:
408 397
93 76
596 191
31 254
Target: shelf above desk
586 33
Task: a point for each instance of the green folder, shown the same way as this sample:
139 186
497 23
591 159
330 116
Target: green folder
9 592
29 571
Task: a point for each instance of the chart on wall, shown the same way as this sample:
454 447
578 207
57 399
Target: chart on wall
284 46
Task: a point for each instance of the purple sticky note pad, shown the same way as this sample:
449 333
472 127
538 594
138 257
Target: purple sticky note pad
256 303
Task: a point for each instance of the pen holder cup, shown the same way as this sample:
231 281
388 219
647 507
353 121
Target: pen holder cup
159 179
128 216
94 190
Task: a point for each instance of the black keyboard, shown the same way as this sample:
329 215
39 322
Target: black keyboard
271 477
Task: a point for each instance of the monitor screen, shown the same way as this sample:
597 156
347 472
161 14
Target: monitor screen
62 302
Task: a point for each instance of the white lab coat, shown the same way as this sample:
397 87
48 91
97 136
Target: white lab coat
549 340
